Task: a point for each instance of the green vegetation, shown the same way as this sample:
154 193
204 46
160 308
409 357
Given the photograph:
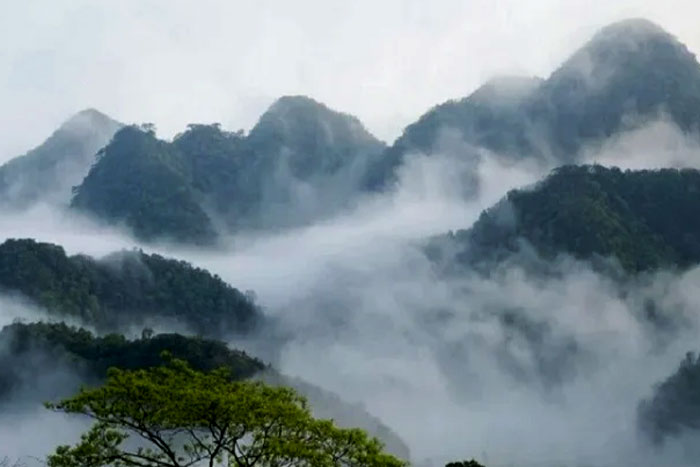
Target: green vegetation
94 355
629 73
179 190
175 416
645 219
144 183
470 463
43 361
675 404
125 288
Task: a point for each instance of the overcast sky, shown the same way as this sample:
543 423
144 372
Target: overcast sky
173 62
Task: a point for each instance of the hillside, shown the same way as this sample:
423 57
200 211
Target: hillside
128 288
48 172
629 73
674 406
56 359
144 183
301 161
645 219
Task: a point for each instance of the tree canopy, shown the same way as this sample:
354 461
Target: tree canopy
125 288
174 416
645 219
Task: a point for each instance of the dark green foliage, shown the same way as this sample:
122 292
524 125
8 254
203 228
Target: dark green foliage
312 138
144 183
629 73
178 190
631 68
675 404
645 219
124 288
36 358
220 164
95 355
471 463
49 171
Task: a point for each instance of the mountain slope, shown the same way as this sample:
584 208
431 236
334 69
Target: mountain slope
49 171
490 118
124 289
310 161
645 219
302 161
629 73
674 407
41 361
145 184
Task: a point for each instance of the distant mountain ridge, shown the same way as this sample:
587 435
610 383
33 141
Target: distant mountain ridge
300 162
630 72
124 289
644 219
303 162
48 172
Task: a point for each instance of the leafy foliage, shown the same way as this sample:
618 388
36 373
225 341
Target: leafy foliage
179 190
42 361
470 463
175 416
144 183
123 288
94 355
675 404
646 219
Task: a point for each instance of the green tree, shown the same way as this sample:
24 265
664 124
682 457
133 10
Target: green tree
174 416
470 463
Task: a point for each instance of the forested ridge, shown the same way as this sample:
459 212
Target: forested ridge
208 181
645 219
124 288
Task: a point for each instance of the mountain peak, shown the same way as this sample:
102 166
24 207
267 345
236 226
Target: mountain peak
90 118
633 27
294 116
630 41
505 89
299 106
295 101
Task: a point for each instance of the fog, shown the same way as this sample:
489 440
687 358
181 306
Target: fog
514 368
174 62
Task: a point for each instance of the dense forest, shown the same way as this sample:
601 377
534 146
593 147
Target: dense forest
644 219
674 407
81 351
40 361
123 289
629 73
447 336
301 161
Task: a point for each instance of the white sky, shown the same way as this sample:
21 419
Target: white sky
173 62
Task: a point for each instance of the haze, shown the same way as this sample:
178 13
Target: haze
173 62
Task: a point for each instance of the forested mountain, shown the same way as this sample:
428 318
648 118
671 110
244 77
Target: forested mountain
645 219
629 73
124 289
300 162
674 406
49 171
56 359
145 183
